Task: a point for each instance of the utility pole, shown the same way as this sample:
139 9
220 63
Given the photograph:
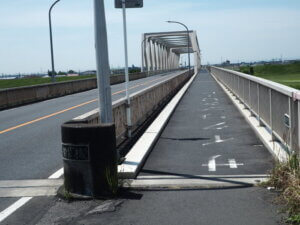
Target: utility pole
103 70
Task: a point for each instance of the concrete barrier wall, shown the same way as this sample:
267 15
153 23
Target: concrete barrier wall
18 96
143 104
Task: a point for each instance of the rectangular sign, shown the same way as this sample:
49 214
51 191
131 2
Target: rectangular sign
129 3
286 120
75 152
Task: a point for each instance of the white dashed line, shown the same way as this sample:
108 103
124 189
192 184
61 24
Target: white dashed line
215 125
232 163
212 163
221 128
218 138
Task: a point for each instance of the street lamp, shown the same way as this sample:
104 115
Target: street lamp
188 36
51 41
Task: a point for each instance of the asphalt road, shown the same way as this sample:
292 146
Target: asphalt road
244 206
186 145
30 135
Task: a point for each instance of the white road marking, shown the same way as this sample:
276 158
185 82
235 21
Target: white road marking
216 99
225 164
221 128
22 201
205 116
217 140
232 163
11 209
223 117
57 174
215 125
212 163
212 166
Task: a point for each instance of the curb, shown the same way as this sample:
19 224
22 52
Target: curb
139 152
194 182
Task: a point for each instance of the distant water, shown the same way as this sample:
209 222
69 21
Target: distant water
7 78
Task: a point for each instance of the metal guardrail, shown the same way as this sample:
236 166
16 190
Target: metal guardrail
276 106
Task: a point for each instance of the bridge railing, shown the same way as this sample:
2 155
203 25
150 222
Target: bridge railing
276 106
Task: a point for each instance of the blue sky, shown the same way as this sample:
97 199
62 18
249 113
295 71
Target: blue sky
227 29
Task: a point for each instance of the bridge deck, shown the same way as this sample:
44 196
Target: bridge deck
207 135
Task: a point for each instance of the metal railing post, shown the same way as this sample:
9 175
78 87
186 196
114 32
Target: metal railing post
290 124
271 116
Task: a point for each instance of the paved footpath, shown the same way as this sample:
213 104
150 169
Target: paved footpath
206 135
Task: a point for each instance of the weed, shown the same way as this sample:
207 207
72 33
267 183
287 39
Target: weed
295 219
67 195
285 177
112 180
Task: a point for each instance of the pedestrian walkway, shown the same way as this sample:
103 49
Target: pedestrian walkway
207 135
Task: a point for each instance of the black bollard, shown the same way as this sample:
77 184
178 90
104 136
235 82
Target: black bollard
90 159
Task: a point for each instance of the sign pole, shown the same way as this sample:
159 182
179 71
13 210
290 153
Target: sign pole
128 110
103 70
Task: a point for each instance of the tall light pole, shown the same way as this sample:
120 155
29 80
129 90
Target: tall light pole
188 36
128 109
51 41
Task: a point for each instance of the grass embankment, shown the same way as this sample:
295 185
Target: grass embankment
287 74
285 178
37 80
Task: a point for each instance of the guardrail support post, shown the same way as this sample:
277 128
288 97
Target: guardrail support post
271 116
258 107
290 124
298 128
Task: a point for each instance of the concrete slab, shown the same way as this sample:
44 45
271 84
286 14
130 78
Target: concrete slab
29 188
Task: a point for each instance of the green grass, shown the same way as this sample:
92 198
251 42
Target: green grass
37 80
287 74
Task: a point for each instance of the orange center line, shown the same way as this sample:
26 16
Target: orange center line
73 107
